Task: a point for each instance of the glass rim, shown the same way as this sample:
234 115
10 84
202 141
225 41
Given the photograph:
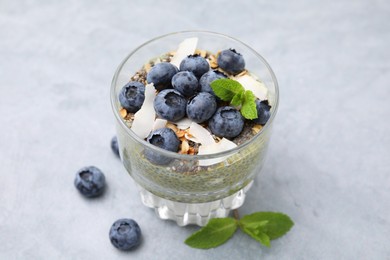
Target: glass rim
175 155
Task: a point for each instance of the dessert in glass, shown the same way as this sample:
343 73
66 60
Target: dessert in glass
190 150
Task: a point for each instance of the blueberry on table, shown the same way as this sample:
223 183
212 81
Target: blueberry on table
161 75
186 83
209 77
164 138
201 107
196 64
226 122
90 181
170 105
132 96
125 234
231 61
263 112
114 146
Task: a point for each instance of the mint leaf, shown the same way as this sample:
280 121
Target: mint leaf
256 225
278 223
254 229
226 89
264 239
248 109
215 233
257 235
237 99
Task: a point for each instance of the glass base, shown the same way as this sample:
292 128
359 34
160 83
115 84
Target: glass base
193 213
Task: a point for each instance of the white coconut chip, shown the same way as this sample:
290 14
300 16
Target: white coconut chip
226 144
184 123
250 83
186 47
221 146
200 134
144 118
191 138
159 123
208 149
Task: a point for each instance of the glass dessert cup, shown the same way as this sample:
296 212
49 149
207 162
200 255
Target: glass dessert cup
191 189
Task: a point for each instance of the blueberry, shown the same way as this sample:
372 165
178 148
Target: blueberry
201 107
164 138
161 75
132 96
90 181
226 122
170 105
209 77
196 64
125 234
263 112
231 61
114 146
186 83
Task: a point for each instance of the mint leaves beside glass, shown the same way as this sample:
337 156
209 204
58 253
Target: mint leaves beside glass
232 91
261 226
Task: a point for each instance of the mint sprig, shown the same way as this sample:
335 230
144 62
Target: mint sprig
261 226
233 92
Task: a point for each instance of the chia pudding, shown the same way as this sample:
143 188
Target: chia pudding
189 158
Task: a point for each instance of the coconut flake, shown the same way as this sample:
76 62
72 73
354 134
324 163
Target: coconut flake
226 144
186 47
221 146
250 83
200 134
191 138
184 123
208 149
159 123
144 118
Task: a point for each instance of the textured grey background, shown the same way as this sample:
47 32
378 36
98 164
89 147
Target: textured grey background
328 165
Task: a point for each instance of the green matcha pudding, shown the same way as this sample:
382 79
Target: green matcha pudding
194 114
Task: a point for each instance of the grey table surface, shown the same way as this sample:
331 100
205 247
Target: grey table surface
328 165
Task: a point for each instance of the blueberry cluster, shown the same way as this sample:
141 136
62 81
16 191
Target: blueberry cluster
184 96
186 92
